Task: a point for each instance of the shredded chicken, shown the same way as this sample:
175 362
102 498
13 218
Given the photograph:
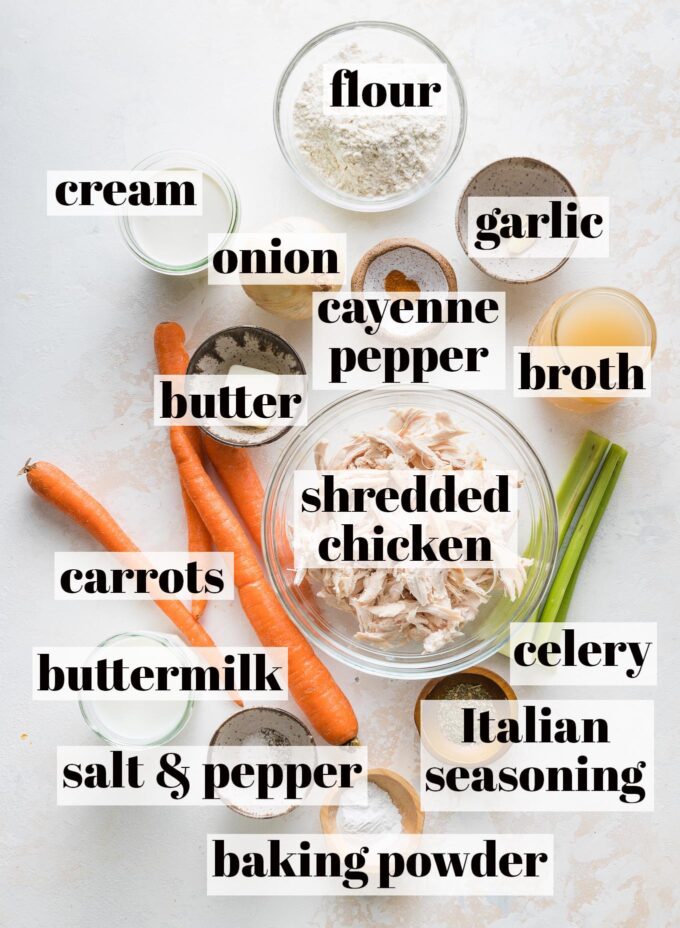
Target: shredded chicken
394 606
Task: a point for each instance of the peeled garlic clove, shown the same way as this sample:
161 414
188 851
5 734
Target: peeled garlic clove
517 246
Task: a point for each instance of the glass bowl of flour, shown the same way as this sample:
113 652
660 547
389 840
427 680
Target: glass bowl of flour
366 154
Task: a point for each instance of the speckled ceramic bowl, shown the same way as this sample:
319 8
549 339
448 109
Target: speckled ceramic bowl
250 346
277 727
416 261
513 177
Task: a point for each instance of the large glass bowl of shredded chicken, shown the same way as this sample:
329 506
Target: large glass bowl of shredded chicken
400 621
365 157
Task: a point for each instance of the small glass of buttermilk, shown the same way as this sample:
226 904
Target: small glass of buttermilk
139 722
178 245
599 317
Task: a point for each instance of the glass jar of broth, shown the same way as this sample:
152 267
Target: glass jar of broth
601 316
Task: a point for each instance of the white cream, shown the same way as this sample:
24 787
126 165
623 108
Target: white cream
178 241
128 721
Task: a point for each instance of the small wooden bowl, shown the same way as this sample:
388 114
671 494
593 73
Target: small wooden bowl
391 244
499 689
401 792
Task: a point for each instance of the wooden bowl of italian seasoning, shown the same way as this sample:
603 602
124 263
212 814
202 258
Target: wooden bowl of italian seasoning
441 725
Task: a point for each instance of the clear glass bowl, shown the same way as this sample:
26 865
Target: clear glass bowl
332 630
394 41
186 160
88 707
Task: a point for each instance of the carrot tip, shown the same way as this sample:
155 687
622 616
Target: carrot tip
198 608
25 469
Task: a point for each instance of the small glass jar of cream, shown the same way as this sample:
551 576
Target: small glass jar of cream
178 245
139 722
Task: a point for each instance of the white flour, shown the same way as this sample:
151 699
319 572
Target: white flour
367 155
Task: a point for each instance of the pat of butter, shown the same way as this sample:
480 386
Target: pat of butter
256 382
517 246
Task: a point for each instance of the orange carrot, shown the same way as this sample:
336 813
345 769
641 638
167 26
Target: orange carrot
310 683
198 539
241 481
57 488
234 466
173 359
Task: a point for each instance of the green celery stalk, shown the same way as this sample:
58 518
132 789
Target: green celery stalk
557 602
620 456
576 481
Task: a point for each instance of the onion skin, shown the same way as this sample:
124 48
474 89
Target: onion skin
292 301
289 301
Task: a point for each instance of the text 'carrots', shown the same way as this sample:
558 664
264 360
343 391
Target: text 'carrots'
59 489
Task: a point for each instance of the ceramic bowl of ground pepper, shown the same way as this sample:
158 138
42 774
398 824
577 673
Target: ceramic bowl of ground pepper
441 727
259 726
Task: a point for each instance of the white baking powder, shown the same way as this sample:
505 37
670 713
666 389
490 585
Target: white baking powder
366 154
380 815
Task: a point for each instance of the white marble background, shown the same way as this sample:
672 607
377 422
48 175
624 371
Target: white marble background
589 86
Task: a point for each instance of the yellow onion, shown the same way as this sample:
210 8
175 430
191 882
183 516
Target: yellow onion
290 301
